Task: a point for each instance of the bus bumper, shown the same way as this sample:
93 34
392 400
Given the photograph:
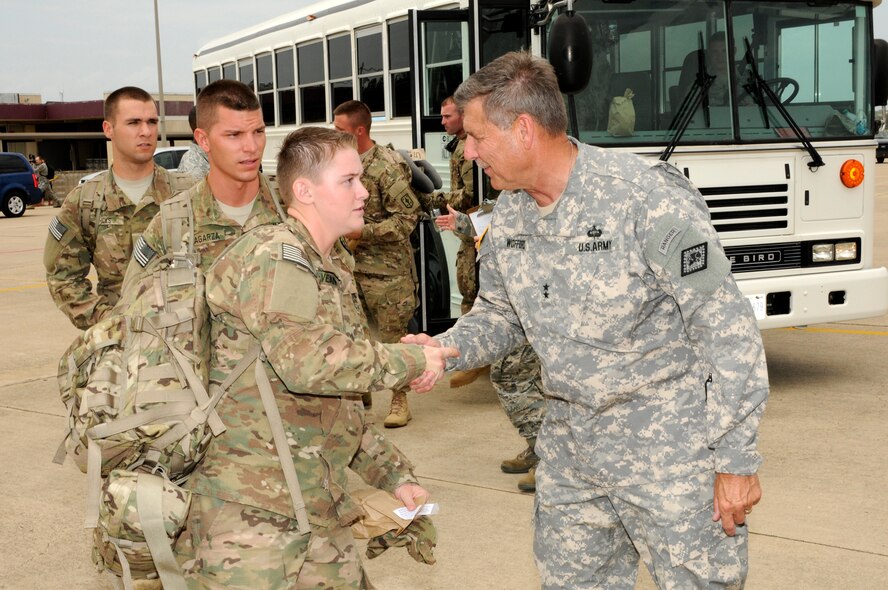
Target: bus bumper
803 300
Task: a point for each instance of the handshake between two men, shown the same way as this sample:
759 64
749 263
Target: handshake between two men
436 359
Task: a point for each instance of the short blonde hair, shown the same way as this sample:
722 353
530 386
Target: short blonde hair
305 153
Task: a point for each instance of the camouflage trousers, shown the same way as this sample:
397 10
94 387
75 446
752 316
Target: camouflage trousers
518 384
226 545
591 537
466 274
389 302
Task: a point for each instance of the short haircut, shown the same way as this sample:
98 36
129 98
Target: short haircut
192 118
356 111
130 92
305 153
448 100
230 94
514 84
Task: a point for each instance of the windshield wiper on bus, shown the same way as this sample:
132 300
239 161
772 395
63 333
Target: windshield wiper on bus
758 88
697 93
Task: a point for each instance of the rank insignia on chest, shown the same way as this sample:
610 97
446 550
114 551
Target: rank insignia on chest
513 244
694 259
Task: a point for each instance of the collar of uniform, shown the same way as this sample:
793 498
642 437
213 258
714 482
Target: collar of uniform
116 199
264 212
338 264
369 153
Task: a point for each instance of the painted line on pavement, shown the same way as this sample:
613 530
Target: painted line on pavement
23 288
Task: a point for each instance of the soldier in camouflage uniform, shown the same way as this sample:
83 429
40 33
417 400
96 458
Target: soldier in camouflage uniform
195 161
290 287
384 265
653 366
461 198
101 219
234 197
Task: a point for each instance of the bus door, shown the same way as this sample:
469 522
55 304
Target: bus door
445 46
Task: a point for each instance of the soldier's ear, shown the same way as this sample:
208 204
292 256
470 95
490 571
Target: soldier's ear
202 139
108 129
524 130
302 191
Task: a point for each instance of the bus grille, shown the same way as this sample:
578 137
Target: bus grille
760 209
764 257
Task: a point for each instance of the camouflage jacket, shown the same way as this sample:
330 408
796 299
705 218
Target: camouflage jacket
273 285
625 292
214 231
101 234
390 215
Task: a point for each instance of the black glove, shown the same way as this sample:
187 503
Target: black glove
420 538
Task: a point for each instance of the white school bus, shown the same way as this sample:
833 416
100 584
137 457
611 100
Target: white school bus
768 108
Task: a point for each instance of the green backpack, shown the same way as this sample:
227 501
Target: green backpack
140 414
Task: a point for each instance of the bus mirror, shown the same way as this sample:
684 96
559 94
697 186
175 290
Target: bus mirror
570 52
880 72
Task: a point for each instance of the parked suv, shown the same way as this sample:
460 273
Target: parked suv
165 157
18 185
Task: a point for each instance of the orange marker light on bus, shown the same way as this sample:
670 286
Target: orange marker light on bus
851 173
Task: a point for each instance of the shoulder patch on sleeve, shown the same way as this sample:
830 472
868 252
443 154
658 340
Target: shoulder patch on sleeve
142 252
294 254
57 229
294 292
694 259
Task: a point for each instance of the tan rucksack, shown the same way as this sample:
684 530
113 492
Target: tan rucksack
140 415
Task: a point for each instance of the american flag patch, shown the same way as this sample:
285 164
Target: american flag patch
57 229
143 253
293 254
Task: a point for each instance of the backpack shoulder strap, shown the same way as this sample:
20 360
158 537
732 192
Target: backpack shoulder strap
177 226
92 200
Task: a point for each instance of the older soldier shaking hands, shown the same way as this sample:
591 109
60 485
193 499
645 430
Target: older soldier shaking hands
652 362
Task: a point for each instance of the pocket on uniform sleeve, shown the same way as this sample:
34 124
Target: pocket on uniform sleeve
294 292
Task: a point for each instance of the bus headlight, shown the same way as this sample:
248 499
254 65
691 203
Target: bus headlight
846 251
826 252
823 253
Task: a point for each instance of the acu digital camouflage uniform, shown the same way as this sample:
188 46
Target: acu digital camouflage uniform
273 285
214 231
100 233
625 292
462 198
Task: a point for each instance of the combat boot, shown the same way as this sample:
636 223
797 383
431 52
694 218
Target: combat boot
399 415
528 483
524 462
463 378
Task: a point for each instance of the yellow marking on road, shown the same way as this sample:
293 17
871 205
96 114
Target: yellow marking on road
838 331
24 288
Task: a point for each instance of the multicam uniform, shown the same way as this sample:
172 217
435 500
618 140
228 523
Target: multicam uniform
273 285
625 292
462 198
98 226
384 266
214 231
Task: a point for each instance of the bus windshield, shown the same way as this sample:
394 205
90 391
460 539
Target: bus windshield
663 53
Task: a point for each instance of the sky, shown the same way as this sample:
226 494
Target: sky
78 49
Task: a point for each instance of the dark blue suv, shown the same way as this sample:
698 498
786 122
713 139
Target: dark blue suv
18 185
